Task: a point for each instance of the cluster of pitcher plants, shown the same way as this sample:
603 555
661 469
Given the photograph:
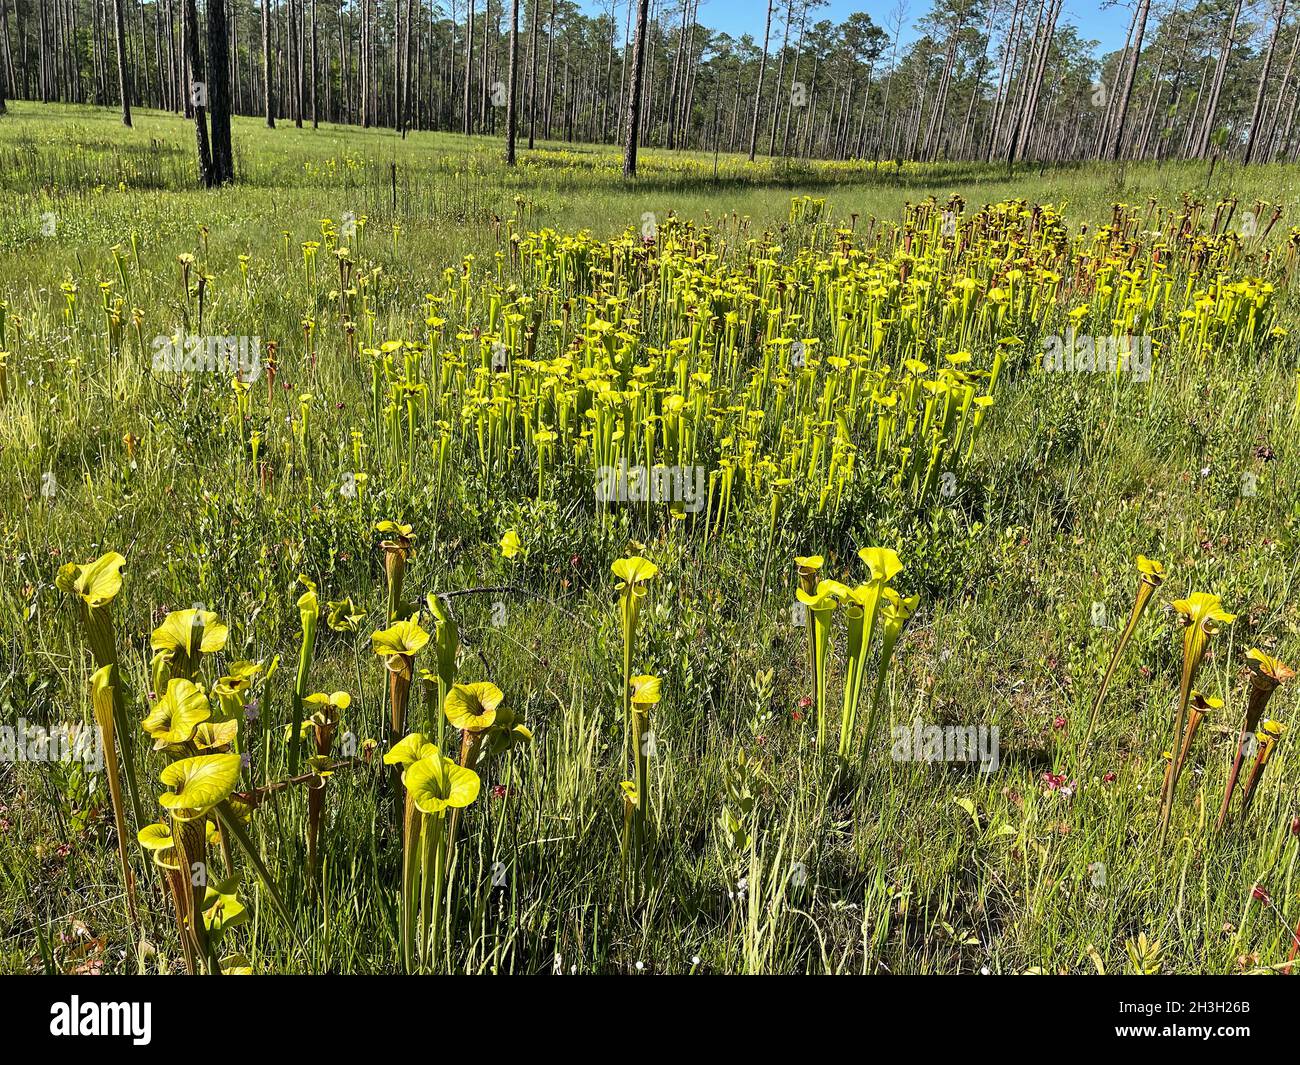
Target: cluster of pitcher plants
1201 617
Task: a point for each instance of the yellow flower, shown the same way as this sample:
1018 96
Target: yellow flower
510 544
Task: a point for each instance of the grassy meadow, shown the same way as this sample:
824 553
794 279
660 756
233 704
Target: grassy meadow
392 527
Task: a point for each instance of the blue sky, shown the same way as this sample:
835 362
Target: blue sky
1106 24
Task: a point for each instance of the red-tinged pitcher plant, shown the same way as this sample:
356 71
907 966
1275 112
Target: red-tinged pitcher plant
397 550
398 645
94 586
1198 709
1151 575
181 724
1266 741
434 785
320 728
1202 614
1267 674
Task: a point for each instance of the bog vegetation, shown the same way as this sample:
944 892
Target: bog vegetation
454 569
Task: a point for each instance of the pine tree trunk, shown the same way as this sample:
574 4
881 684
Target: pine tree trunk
1216 86
123 73
634 90
1257 112
1130 74
268 92
511 118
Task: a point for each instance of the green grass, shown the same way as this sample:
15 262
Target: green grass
905 867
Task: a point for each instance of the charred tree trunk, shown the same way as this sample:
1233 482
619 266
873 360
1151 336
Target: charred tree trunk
223 163
198 92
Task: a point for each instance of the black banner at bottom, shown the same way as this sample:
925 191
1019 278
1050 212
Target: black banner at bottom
145 1014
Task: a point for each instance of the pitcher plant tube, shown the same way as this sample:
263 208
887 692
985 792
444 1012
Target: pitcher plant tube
309 619
101 694
863 605
821 604
94 587
434 785
1151 575
1202 614
196 785
633 574
895 613
397 550
1267 674
644 695
808 567
1266 741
